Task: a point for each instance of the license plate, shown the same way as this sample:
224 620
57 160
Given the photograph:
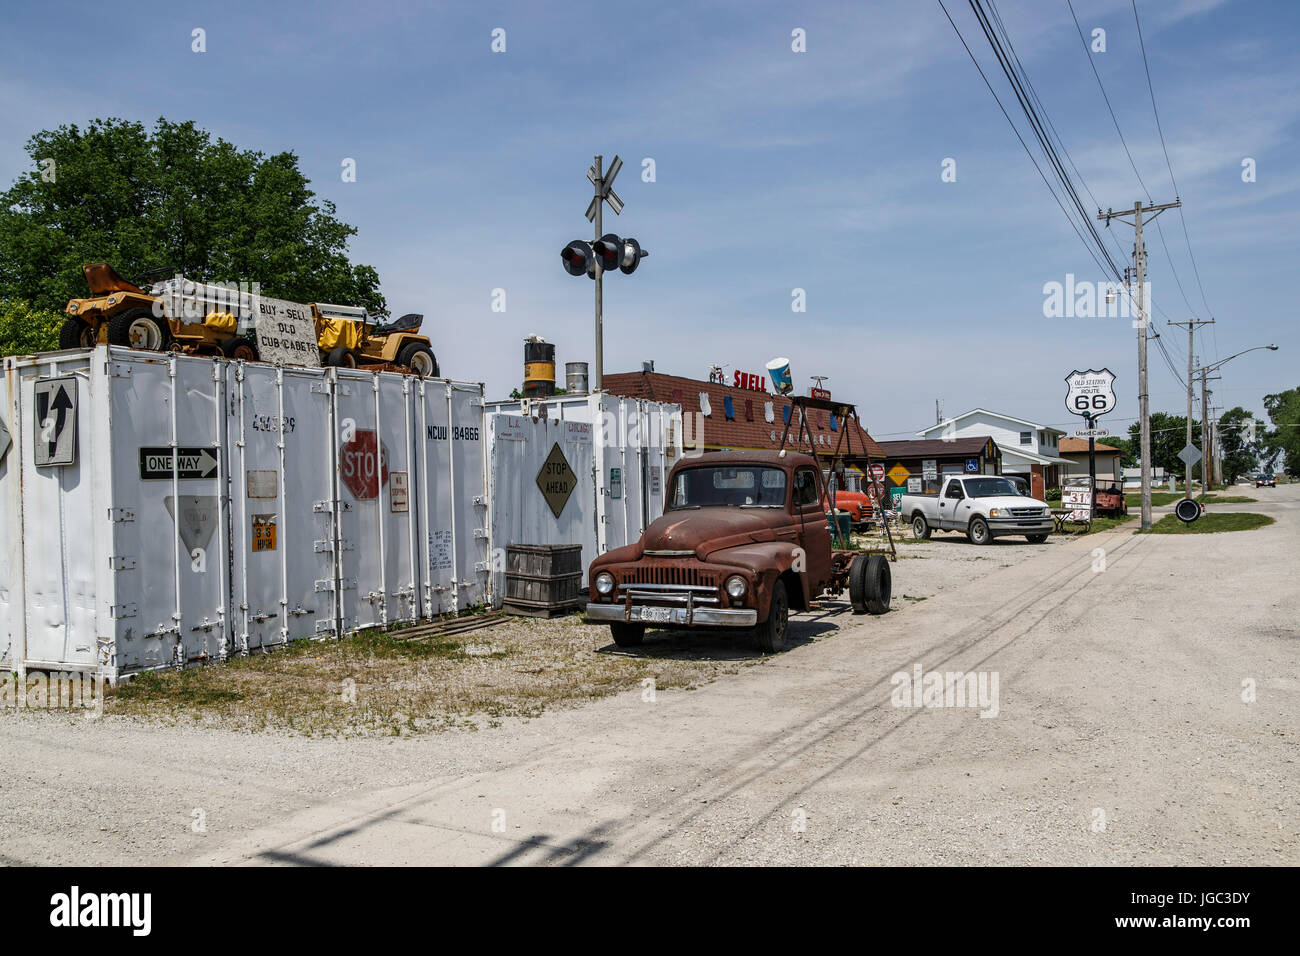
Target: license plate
659 614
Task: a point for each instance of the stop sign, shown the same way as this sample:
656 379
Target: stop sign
363 465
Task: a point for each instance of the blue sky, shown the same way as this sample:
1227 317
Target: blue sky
775 170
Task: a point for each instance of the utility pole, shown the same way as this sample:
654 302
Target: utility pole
1140 272
1205 426
1191 333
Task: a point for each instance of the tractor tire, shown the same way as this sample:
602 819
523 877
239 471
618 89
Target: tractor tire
76 334
341 358
239 348
419 358
139 329
920 529
770 635
627 633
877 584
978 531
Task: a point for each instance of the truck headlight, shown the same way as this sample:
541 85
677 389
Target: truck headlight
73 307
605 583
993 512
736 587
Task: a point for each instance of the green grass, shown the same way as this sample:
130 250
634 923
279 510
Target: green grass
1211 523
1213 499
1157 498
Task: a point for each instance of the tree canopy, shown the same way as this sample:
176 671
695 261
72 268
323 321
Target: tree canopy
1283 439
172 200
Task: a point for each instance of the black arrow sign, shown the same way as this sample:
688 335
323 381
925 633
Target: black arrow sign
156 463
61 405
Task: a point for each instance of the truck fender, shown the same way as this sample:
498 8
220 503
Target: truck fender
768 561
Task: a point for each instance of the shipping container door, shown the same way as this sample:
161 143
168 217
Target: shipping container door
452 501
374 429
282 525
61 548
167 465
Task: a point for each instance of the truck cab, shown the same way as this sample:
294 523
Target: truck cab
982 507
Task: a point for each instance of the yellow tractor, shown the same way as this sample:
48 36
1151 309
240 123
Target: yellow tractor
347 340
121 313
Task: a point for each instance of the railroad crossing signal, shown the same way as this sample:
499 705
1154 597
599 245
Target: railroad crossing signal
603 253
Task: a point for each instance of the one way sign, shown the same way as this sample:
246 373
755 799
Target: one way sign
54 439
156 463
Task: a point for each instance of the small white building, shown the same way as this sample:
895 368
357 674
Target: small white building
1028 448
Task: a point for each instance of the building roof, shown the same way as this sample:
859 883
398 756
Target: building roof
935 447
750 428
1032 457
976 411
1069 446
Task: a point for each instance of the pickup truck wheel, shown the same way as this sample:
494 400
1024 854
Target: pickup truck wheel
877 584
770 635
1036 538
920 530
978 532
627 633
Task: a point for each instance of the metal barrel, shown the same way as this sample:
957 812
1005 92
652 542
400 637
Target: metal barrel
539 369
575 378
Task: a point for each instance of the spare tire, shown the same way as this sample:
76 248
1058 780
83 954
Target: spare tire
877 584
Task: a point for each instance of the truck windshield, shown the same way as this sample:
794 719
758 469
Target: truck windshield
738 486
990 488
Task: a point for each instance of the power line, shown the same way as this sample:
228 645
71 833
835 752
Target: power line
1160 129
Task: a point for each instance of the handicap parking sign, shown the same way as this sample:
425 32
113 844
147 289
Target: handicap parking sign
972 465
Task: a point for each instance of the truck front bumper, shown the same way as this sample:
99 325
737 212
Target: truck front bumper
1001 526
673 616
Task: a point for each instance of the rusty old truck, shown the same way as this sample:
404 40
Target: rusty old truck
743 540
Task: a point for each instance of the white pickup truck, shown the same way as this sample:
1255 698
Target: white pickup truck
983 507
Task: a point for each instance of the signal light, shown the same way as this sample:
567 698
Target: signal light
612 252
632 254
578 258
609 249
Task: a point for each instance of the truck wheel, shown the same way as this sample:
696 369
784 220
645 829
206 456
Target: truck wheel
239 348
341 358
419 359
858 583
1036 538
770 635
139 329
978 532
920 530
877 584
627 633
76 334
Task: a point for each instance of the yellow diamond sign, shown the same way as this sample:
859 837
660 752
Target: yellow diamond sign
898 474
556 480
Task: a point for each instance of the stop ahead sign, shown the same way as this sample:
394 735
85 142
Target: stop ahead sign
363 465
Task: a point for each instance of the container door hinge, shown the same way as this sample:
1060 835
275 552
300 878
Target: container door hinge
299 611
121 562
480 532
119 611
327 507
205 625
121 514
482 566
261 616
480 501
321 547
324 627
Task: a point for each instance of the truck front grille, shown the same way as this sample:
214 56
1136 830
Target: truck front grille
679 575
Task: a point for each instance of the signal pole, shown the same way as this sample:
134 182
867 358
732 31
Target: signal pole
603 183
1191 331
1140 271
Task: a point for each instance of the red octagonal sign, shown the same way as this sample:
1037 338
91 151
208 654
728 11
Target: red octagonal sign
363 465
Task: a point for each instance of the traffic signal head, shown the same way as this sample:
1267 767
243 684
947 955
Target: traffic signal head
578 258
632 253
609 249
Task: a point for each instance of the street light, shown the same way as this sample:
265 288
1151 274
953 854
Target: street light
1208 466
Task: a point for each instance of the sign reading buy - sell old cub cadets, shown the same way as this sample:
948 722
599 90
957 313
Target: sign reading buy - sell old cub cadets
286 333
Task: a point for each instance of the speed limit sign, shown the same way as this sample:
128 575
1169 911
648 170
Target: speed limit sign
1090 393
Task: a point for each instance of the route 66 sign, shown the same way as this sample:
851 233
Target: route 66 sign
1091 393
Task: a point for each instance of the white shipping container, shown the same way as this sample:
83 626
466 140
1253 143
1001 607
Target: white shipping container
619 451
298 503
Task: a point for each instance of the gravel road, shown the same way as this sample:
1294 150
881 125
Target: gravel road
1121 736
